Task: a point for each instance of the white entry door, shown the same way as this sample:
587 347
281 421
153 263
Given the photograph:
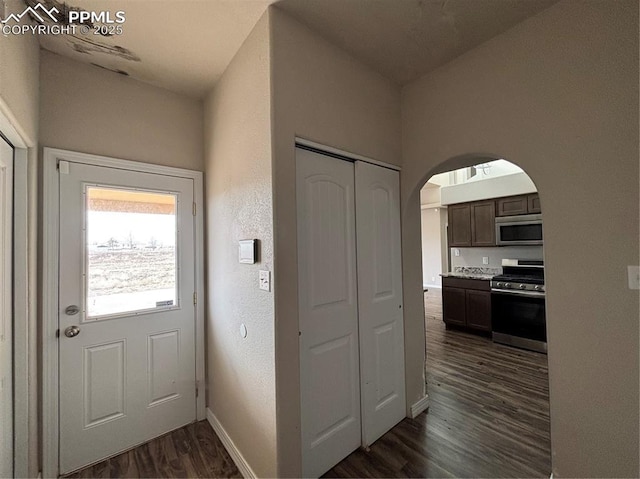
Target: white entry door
328 315
126 318
6 309
380 300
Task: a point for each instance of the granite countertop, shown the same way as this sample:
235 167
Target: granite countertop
472 272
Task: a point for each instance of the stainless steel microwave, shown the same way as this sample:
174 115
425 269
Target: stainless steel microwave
519 230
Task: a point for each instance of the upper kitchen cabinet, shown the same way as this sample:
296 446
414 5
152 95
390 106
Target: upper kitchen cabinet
512 205
472 224
483 225
460 225
533 203
518 205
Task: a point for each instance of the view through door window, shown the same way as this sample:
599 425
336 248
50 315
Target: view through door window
131 257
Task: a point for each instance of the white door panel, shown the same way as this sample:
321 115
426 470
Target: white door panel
328 316
127 263
379 299
6 309
104 374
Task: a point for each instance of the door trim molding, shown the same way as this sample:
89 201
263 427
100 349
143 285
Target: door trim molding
341 154
50 269
12 131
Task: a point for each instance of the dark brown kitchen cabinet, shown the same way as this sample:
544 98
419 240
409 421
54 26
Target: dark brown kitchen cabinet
533 203
472 224
483 223
478 310
454 306
513 205
459 225
466 303
518 205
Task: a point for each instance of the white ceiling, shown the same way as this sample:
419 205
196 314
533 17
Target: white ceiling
180 45
185 45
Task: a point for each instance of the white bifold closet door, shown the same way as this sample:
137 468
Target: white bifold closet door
350 307
379 299
328 311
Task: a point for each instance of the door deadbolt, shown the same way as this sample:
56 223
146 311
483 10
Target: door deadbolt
72 331
71 310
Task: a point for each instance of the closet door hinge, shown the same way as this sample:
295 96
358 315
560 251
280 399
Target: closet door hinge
194 208
195 298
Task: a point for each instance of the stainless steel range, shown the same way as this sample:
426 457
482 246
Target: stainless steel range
518 305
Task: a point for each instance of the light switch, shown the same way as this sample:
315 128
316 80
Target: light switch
634 277
485 260
265 280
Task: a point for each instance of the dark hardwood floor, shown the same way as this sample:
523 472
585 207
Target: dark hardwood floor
488 417
192 451
488 414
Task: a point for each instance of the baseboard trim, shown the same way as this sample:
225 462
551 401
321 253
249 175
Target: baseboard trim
234 452
419 406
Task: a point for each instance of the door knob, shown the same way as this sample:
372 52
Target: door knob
72 331
71 310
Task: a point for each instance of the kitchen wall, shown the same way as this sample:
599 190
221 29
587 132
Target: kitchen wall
473 256
88 109
241 371
322 94
19 97
434 244
557 95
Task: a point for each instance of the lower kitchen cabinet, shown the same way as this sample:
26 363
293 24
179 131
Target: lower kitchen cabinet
466 303
478 309
454 309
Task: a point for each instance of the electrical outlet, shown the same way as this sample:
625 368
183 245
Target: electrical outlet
456 252
485 260
634 277
265 280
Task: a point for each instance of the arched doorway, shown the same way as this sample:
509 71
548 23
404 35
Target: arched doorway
488 401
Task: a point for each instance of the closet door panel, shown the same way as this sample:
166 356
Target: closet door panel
381 327
328 315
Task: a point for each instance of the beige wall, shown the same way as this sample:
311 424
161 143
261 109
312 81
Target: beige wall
88 109
19 82
19 97
431 229
241 372
558 95
322 94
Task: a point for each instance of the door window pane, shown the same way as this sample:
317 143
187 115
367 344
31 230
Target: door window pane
131 254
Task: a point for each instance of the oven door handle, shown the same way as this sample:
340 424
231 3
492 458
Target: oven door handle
530 294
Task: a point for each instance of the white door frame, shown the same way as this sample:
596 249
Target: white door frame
50 250
10 129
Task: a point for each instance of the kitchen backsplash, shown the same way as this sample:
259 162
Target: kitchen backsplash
472 257
476 270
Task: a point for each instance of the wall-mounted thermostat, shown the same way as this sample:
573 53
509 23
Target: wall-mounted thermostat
248 251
